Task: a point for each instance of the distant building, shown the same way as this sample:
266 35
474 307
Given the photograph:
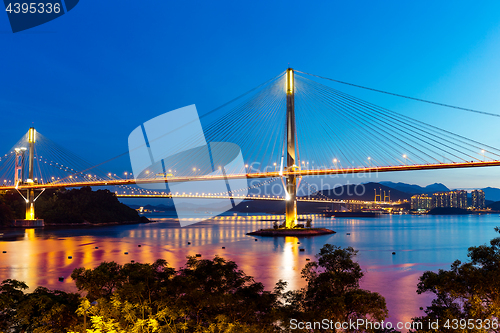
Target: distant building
421 202
478 199
441 199
459 199
453 199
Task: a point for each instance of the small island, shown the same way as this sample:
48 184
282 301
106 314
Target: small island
77 207
291 232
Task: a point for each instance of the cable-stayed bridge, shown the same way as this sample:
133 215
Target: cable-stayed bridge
289 127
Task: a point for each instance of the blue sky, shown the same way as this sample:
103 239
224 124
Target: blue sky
88 78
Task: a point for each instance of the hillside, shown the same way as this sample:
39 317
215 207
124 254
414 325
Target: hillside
416 189
492 193
76 206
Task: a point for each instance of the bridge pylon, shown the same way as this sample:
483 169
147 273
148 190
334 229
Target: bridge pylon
291 181
19 179
30 195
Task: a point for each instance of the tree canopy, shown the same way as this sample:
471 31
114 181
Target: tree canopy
467 297
204 296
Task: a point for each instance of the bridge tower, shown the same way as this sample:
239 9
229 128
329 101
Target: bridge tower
30 195
291 180
19 165
19 179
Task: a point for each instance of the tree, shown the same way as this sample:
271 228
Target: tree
12 206
42 311
218 289
333 291
47 311
205 296
11 295
468 291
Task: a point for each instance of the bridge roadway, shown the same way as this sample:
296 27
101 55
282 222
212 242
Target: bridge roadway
209 196
316 172
252 197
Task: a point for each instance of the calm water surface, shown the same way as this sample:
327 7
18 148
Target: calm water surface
421 243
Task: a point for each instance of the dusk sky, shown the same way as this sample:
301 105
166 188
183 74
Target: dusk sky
88 78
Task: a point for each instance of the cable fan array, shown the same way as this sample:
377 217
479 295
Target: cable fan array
339 130
52 164
333 130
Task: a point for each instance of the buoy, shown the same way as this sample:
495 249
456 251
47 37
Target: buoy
198 255
393 252
61 278
126 252
70 257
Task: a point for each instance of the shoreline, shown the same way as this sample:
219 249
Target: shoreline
85 225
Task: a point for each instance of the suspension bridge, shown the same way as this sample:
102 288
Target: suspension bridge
287 128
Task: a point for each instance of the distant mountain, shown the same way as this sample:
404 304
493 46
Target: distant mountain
365 192
492 193
416 189
494 205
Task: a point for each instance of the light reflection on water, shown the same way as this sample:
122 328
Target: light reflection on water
421 243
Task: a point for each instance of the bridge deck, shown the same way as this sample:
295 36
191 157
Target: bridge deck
316 172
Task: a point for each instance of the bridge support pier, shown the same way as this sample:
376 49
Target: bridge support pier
291 181
291 202
30 204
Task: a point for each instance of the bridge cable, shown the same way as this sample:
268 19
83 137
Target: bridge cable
403 96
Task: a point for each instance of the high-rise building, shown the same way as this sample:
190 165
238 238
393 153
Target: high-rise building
461 196
478 199
441 199
453 199
421 202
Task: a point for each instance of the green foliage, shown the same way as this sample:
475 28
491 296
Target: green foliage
205 296
6 214
213 288
47 311
43 311
134 282
11 295
333 291
12 207
469 290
